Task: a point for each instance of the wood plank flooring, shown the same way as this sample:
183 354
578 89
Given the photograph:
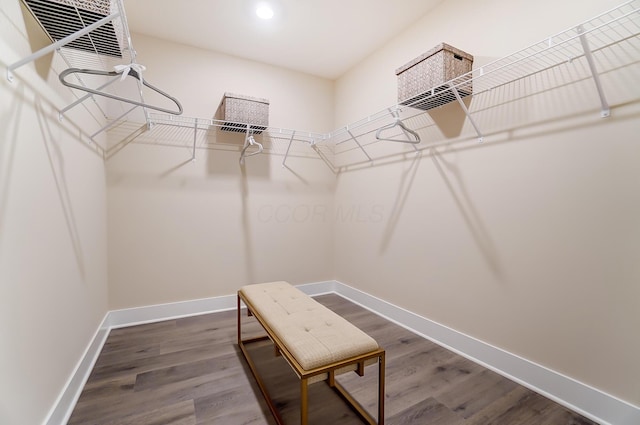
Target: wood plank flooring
190 372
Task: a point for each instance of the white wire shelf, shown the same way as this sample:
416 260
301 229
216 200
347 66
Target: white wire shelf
196 134
559 66
578 56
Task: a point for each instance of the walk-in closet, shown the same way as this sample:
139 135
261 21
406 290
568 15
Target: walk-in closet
450 188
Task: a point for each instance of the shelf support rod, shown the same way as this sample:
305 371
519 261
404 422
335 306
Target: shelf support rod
359 145
288 147
467 113
605 111
195 133
60 43
114 122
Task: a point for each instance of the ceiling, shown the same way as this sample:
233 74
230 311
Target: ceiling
320 37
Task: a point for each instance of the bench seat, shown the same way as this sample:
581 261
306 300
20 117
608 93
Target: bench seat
316 342
315 335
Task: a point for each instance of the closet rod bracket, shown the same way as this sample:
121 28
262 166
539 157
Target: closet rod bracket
58 44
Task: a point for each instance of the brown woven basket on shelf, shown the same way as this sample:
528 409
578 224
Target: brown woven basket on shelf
430 71
237 110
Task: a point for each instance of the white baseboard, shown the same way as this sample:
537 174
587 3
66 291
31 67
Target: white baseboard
156 313
588 401
577 396
159 312
318 288
68 398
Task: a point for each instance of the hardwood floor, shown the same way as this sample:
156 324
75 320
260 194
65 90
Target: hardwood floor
190 372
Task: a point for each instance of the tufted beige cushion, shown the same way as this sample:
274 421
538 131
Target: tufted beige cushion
313 334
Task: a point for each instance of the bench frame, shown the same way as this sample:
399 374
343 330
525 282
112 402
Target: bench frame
304 375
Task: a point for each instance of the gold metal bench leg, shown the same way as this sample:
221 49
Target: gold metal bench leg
239 323
381 367
253 368
304 406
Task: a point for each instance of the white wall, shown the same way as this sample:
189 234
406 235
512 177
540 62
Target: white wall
181 230
528 242
199 78
53 244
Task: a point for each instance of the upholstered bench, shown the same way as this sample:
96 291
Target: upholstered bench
316 342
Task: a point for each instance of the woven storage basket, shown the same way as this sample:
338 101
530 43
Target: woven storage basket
237 111
430 71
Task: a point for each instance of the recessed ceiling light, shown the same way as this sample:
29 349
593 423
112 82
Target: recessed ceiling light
264 11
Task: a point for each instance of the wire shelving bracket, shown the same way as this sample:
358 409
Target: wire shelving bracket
605 110
466 111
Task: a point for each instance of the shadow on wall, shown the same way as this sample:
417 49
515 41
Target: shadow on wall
406 182
12 114
460 195
217 139
455 184
252 167
124 137
246 225
169 171
450 118
37 40
56 160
